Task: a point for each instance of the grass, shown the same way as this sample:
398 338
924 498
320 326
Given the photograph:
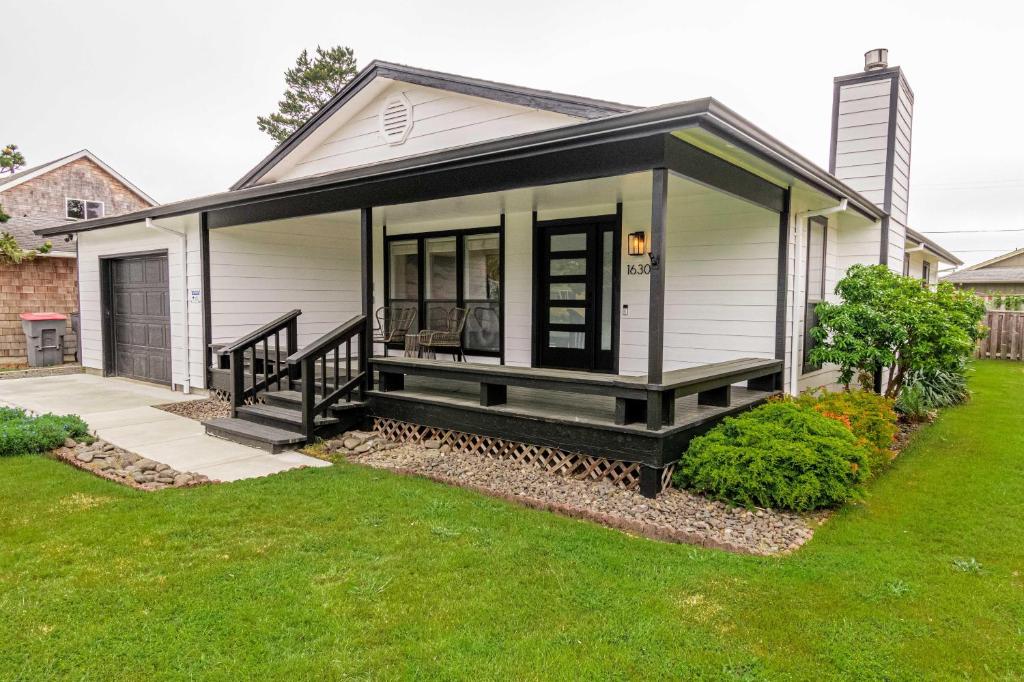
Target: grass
349 572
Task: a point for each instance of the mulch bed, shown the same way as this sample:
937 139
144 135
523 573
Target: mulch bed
674 516
200 410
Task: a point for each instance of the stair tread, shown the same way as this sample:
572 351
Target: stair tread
294 397
284 414
242 427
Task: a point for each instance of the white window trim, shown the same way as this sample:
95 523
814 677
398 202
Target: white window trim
85 208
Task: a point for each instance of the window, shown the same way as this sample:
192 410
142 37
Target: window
926 273
80 209
435 272
817 239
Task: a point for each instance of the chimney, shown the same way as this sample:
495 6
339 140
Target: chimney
872 116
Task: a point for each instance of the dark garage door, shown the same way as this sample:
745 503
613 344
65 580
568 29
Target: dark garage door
141 318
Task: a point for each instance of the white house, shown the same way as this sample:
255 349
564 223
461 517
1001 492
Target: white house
621 267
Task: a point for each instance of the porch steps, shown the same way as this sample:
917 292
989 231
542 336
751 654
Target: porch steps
276 424
244 432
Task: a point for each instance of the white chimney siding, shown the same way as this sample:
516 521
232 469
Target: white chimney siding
872 116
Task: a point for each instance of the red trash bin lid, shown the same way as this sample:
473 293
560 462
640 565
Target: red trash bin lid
36 317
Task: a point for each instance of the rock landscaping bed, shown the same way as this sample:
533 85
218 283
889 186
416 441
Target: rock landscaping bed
200 410
113 463
674 516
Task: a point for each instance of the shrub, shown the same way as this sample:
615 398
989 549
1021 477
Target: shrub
886 320
941 387
912 405
870 417
780 455
22 434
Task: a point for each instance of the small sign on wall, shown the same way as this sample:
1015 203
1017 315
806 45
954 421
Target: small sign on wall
195 296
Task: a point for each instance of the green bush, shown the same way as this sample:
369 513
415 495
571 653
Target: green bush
941 387
22 434
780 455
912 405
870 417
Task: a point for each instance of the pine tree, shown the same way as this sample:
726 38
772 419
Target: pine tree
311 84
11 159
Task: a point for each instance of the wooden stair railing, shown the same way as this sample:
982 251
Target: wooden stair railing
321 391
273 363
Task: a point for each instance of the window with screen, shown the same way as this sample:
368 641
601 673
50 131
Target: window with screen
817 240
82 209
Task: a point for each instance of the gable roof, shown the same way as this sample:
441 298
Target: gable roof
27 174
571 105
706 114
992 261
943 254
988 276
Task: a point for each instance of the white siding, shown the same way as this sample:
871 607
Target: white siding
862 148
261 271
441 120
138 238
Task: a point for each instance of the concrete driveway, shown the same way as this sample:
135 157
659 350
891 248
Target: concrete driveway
120 412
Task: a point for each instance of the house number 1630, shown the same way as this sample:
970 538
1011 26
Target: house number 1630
634 269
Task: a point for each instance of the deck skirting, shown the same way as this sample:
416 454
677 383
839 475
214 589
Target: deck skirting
556 461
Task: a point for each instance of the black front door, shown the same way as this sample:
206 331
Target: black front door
577 291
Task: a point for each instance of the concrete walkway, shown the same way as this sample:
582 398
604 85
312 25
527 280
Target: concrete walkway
119 411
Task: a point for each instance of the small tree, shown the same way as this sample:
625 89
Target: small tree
12 254
886 320
311 84
11 160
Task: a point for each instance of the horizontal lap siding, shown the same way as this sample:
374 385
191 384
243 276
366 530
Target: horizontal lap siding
721 274
133 239
441 120
259 272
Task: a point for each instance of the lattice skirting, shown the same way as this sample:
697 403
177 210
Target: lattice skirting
553 460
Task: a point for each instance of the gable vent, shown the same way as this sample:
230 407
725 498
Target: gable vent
396 119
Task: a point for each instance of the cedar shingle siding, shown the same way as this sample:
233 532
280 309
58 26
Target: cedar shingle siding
39 202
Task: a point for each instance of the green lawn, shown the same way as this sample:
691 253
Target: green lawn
348 572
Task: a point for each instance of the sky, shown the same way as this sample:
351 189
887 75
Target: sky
168 93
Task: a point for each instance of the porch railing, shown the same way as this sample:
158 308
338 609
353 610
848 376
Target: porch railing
268 364
319 366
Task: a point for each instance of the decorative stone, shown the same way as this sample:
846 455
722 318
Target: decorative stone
162 467
108 447
182 479
432 444
70 442
85 457
351 443
146 465
445 449
138 477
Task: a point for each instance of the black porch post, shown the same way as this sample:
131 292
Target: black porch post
782 291
204 262
366 253
656 314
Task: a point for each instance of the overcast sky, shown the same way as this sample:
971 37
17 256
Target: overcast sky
168 93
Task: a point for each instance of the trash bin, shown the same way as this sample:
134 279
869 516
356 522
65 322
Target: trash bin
44 336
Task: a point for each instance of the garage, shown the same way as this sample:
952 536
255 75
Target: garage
138 317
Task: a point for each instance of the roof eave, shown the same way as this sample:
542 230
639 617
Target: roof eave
655 120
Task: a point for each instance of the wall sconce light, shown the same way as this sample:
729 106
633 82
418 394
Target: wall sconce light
637 243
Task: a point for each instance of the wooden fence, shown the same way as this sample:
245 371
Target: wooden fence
1005 340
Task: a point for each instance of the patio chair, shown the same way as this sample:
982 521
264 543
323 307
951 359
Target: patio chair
447 340
393 325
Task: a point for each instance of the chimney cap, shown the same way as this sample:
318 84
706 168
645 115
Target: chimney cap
876 59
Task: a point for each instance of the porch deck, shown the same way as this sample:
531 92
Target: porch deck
599 415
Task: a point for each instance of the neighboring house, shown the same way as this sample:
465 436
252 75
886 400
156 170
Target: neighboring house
71 189
614 260
1001 276
922 258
